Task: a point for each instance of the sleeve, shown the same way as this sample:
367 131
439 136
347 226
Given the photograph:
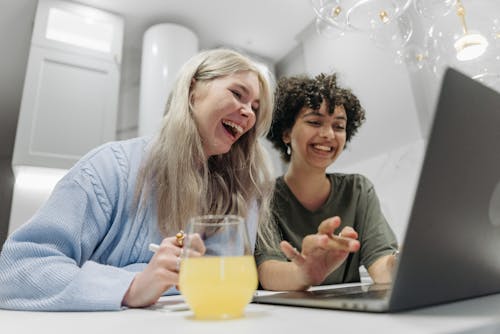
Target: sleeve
48 263
377 238
267 246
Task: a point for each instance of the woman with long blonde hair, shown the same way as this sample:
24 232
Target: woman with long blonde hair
87 247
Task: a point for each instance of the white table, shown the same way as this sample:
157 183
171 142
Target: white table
480 315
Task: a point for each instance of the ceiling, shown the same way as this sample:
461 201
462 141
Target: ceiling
266 28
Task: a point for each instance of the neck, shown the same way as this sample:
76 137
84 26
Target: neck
310 187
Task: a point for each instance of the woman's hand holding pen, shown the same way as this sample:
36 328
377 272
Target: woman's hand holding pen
162 271
322 252
159 275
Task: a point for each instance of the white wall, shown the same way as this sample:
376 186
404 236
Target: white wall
394 174
382 86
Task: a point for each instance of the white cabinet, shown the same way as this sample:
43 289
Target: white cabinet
69 106
70 96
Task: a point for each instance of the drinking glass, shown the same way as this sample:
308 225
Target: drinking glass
218 276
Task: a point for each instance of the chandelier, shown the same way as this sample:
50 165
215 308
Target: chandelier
453 34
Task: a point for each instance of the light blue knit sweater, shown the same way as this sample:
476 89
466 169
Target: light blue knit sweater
82 249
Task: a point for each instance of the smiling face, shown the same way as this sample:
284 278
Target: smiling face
317 138
225 109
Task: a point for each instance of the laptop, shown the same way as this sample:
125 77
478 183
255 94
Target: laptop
450 250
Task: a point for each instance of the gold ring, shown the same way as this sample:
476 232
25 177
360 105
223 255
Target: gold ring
179 237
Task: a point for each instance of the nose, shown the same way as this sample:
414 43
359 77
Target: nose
247 111
327 132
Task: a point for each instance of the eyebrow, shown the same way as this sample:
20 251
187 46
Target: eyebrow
243 87
317 113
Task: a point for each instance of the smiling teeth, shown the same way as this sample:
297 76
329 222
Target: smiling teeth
235 126
323 148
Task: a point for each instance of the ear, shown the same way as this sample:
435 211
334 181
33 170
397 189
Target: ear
286 137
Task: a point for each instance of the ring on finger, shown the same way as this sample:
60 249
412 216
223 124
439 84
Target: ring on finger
179 237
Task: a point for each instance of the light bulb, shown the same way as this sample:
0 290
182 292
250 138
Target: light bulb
470 46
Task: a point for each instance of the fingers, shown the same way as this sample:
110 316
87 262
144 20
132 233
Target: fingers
348 232
168 257
171 245
292 253
328 226
313 242
161 272
196 244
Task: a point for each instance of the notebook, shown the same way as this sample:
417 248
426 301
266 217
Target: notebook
451 247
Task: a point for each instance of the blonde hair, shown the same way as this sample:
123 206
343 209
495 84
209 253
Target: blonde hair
177 172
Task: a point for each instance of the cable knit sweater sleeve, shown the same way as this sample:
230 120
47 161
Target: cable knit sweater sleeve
69 256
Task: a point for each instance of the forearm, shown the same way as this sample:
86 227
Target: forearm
51 284
381 270
279 275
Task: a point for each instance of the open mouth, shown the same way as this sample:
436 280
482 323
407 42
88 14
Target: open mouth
233 128
323 148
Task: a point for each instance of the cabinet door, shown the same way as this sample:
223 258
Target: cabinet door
69 106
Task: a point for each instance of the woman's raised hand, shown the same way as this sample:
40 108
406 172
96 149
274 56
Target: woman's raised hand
322 252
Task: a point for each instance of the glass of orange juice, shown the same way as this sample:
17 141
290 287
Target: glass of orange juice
217 276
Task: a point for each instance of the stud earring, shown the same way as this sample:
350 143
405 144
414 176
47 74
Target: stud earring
288 149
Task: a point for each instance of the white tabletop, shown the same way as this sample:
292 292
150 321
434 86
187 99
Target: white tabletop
480 315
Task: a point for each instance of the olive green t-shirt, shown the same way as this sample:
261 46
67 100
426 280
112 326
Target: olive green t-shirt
353 199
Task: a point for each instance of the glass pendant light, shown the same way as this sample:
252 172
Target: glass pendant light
372 14
470 45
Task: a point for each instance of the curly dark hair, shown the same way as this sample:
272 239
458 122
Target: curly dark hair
296 92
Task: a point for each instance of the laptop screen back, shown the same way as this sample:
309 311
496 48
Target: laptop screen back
452 242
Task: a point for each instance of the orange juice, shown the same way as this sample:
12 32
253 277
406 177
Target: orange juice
218 287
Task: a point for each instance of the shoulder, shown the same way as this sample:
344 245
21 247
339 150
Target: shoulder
281 189
279 182
357 181
125 149
113 163
118 154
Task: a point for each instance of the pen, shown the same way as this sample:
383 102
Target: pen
154 247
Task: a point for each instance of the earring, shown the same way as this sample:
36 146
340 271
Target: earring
288 149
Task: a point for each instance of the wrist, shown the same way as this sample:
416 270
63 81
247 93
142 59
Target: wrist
303 280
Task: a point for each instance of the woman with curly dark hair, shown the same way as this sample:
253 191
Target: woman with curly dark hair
318 215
